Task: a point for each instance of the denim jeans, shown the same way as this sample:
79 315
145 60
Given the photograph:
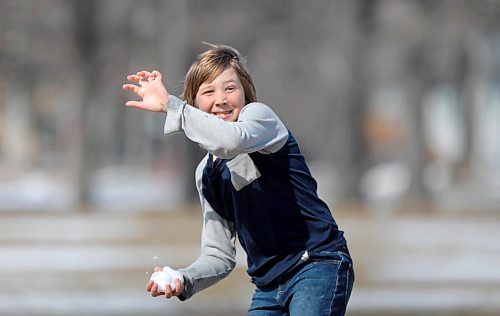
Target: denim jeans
320 285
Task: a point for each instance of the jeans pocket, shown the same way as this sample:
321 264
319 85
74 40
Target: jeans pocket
328 277
343 259
326 256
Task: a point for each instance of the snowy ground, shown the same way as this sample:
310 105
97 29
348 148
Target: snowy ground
67 263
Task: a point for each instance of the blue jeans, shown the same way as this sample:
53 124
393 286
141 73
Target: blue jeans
320 285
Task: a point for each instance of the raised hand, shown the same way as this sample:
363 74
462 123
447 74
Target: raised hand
149 87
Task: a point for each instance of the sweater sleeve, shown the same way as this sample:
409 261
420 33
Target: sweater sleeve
258 129
218 252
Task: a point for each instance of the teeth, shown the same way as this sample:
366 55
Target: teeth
223 114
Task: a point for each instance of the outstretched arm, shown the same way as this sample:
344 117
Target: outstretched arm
149 87
258 129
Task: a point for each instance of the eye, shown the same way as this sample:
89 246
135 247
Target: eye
230 88
207 92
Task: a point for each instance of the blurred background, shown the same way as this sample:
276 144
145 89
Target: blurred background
396 106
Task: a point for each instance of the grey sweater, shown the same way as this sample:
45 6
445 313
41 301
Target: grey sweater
258 129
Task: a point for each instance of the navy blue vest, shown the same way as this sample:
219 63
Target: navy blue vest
272 200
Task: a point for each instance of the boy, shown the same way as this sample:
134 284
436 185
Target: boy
253 182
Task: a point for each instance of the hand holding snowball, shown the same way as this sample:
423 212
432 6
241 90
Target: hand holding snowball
165 281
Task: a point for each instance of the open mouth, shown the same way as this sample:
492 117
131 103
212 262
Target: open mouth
223 114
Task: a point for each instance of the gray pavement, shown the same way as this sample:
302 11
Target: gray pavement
97 263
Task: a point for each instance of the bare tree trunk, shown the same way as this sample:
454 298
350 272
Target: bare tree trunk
366 27
86 36
175 54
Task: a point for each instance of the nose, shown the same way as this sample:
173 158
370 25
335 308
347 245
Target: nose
220 98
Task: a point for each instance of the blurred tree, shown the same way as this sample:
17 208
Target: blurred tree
321 66
86 35
366 27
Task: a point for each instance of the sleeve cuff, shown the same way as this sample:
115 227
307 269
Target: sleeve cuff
173 122
188 288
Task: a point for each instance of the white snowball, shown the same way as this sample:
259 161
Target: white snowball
167 276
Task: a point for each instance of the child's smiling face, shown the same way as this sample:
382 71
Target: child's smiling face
223 97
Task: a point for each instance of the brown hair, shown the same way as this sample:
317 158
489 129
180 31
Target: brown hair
212 63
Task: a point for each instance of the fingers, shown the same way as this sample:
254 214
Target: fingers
132 88
178 287
135 78
156 74
145 75
154 290
168 291
140 77
149 285
135 104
